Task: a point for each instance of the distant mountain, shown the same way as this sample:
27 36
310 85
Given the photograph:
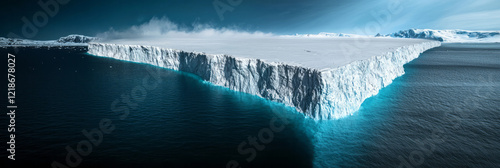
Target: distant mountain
71 40
439 35
449 35
75 38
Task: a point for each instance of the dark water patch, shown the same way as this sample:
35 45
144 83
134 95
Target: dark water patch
184 122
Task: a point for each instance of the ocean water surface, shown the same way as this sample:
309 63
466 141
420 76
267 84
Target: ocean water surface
443 112
183 122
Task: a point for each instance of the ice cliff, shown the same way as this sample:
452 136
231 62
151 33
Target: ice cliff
344 89
321 94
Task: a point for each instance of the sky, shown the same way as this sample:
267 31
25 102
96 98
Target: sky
367 17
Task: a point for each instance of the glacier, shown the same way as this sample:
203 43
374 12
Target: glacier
316 91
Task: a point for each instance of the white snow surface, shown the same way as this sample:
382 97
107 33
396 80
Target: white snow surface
451 36
311 52
325 78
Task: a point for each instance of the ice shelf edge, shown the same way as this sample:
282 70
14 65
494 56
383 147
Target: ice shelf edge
319 94
344 89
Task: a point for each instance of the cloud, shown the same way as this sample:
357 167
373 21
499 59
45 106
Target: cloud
158 28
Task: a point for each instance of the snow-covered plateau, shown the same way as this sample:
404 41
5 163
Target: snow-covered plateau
325 78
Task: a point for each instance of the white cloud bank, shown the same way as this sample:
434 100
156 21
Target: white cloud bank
163 28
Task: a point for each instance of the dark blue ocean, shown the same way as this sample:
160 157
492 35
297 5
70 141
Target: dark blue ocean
444 112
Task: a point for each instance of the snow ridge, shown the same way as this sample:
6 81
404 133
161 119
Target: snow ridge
320 94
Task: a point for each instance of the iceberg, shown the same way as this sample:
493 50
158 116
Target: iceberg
324 76
314 76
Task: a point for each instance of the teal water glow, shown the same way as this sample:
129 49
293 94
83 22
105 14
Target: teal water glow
443 112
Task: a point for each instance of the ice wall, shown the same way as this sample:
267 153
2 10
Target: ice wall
295 86
325 94
345 88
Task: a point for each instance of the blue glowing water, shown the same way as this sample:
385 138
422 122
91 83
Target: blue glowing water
443 112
